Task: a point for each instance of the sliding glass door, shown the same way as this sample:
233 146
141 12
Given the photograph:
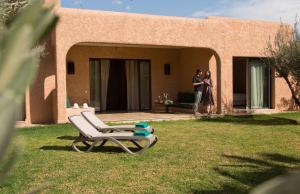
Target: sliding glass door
95 84
132 79
106 83
145 85
260 84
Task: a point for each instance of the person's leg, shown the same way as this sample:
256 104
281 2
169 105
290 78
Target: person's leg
200 104
197 101
211 106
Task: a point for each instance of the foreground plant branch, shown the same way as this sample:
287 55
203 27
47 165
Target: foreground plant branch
19 62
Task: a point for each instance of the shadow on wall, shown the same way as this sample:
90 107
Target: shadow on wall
287 105
253 120
247 172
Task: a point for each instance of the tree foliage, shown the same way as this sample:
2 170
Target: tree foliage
10 8
284 56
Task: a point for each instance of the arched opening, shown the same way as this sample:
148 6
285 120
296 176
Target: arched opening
133 76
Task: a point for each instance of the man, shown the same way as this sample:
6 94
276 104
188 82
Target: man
198 88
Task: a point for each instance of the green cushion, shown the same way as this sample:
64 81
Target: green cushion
142 133
142 125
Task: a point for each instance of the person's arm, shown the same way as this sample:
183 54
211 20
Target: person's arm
197 84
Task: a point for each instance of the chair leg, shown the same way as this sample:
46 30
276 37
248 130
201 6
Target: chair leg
127 149
152 132
136 144
154 142
103 143
78 140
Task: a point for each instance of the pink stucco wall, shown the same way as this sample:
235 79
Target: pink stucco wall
224 39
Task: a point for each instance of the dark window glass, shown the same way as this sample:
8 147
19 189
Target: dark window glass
71 68
167 69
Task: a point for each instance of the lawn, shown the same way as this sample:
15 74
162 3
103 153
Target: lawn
225 155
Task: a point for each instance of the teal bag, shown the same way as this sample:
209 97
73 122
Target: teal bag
142 125
142 133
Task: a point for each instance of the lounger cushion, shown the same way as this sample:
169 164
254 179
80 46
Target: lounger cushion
142 125
142 133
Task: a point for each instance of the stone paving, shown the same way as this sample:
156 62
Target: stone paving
142 116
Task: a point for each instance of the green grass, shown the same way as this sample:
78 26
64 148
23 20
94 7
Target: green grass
225 155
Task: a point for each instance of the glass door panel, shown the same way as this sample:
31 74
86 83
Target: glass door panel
145 85
259 84
95 84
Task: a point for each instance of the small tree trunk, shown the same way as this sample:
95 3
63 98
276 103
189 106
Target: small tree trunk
294 96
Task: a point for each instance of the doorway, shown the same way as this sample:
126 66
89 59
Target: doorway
252 84
118 85
240 83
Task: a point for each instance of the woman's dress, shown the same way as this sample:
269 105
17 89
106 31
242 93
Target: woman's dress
207 96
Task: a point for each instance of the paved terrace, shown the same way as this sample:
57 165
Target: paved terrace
129 118
141 116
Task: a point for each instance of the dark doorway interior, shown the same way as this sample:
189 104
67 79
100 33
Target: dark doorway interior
240 82
117 86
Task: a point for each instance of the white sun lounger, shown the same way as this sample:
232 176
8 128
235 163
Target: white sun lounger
90 133
102 127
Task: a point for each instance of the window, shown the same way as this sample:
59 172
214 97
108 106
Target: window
71 68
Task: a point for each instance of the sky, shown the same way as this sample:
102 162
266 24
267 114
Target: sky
269 10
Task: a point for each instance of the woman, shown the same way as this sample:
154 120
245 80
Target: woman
207 97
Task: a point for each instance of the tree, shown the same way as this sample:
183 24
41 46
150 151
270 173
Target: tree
284 56
10 8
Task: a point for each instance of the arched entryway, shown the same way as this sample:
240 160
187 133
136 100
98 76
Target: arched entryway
133 76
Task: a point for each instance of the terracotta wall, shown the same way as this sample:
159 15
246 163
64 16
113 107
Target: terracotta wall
42 91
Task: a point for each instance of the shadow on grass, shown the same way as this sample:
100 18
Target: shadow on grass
67 137
104 149
253 120
246 172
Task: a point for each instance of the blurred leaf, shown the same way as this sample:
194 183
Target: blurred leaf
39 189
29 27
288 184
12 57
7 120
9 163
18 65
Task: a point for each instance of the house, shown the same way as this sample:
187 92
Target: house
122 62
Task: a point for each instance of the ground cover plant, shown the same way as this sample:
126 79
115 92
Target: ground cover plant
222 155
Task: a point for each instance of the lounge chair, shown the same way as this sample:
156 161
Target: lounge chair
90 133
102 127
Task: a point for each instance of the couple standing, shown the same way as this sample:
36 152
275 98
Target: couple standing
203 91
